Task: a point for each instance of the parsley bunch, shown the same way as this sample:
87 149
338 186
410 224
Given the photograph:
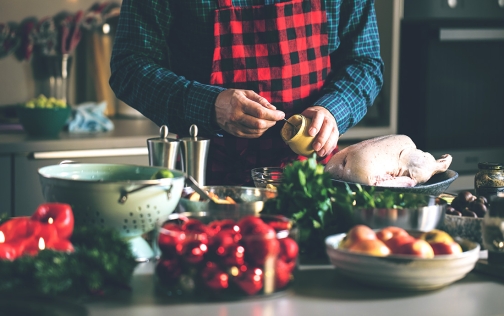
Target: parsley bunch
101 261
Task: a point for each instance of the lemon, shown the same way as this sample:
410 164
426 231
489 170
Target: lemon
163 173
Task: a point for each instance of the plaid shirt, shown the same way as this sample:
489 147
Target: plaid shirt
163 51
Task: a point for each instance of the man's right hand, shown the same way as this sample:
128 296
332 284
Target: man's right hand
244 113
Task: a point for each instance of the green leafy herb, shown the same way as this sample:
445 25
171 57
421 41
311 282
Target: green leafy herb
308 196
102 260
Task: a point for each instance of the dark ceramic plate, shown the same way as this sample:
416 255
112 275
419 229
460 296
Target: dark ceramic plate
436 185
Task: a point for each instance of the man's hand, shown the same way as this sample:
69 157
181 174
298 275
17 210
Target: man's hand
244 113
325 129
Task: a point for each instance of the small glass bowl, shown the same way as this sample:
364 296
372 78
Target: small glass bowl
265 176
207 258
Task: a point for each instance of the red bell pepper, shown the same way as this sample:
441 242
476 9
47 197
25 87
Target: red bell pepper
59 215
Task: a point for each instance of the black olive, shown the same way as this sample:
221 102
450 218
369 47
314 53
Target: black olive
457 204
467 213
453 212
478 208
466 196
483 200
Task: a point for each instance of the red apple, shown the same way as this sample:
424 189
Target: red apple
356 234
396 242
389 232
374 247
418 248
443 248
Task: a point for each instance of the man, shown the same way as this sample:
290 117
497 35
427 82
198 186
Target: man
237 67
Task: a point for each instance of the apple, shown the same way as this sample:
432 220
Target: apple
443 248
435 236
373 247
356 234
417 247
389 232
396 242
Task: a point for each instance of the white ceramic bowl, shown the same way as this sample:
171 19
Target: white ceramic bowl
402 271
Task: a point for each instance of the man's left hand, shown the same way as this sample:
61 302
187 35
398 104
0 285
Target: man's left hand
324 128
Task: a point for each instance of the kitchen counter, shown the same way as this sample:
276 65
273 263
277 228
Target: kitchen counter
318 290
126 133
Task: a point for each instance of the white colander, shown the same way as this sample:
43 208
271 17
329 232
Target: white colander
119 196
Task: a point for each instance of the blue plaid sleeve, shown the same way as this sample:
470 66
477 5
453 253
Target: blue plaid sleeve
356 77
141 74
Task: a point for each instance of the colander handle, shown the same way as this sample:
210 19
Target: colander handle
124 193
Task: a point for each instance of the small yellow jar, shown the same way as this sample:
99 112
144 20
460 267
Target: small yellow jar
298 140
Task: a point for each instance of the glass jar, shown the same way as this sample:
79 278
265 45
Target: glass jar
207 258
489 180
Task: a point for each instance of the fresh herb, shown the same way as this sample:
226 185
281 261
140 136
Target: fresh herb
102 261
308 196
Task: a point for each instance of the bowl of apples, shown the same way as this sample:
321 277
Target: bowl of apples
396 258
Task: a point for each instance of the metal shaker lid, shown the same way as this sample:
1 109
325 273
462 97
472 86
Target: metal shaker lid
193 135
163 136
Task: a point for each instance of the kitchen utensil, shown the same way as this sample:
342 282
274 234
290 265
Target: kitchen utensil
164 151
195 186
427 215
249 201
267 175
294 127
403 272
122 197
298 138
195 153
436 185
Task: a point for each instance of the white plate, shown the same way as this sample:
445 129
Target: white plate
402 271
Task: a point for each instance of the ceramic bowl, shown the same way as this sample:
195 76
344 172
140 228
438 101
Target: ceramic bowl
436 185
298 140
427 215
403 272
43 122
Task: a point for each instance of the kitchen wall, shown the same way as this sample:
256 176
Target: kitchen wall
16 79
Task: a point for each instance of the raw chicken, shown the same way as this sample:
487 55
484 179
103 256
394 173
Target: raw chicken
391 160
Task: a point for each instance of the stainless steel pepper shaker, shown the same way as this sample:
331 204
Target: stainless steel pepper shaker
164 151
195 153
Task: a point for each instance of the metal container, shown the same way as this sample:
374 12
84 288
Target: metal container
195 153
164 151
426 216
249 201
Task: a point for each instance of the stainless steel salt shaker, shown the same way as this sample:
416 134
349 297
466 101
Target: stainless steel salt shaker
164 151
195 153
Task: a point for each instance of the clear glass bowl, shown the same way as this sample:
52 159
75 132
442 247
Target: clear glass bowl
264 177
203 257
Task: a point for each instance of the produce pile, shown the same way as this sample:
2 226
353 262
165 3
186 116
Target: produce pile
397 241
224 258
468 205
308 196
45 254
